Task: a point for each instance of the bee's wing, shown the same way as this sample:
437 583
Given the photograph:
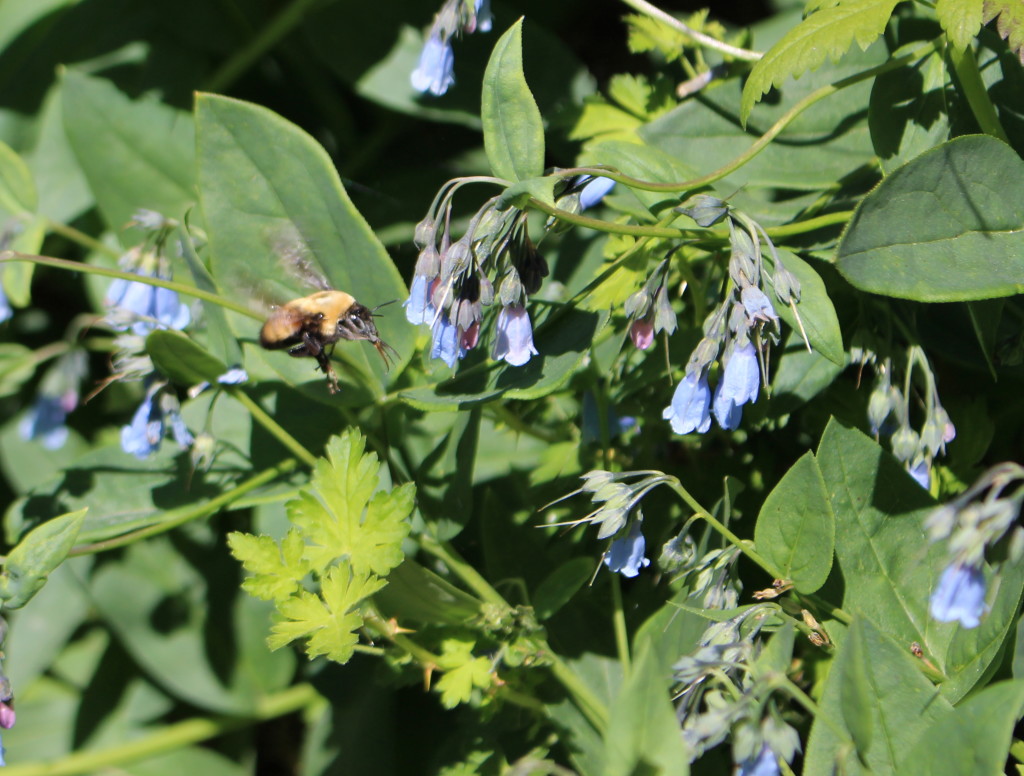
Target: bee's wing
297 260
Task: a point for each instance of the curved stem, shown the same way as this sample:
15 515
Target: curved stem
88 269
637 230
705 40
271 425
169 737
473 579
966 66
175 517
77 236
619 624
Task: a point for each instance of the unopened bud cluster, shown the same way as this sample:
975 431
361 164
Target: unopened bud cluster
889 412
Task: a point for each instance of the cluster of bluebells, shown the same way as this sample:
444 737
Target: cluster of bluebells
726 693
453 282
741 328
979 518
889 413
649 309
435 71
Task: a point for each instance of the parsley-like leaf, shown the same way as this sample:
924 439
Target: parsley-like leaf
463 672
276 569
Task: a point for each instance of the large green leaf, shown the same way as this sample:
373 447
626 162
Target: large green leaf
513 127
889 568
273 201
898 705
135 154
815 315
945 227
796 528
974 738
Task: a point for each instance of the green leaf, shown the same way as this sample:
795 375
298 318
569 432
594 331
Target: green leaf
338 517
558 588
36 556
220 335
463 673
513 127
517 194
945 227
855 692
974 738
17 188
815 310
828 32
643 731
417 593
1010 23
328 620
17 365
135 154
909 110
796 528
183 360
961 19
899 704
277 569
272 202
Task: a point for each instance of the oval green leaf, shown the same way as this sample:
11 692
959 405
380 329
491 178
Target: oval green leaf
36 556
181 359
513 128
796 528
273 202
945 227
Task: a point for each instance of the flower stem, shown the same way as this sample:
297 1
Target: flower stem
966 66
473 579
173 518
705 40
271 425
169 737
89 269
83 239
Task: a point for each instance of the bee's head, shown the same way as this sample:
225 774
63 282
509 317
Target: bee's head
357 324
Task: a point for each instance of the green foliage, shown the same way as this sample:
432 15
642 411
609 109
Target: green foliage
346 535
827 33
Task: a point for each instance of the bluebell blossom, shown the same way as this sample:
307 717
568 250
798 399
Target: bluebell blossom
641 332
447 344
740 383
960 595
148 307
158 410
234 376
922 473
690 407
513 340
765 764
45 420
594 191
626 555
436 69
418 308
757 305
484 18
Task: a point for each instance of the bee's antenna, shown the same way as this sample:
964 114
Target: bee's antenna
385 304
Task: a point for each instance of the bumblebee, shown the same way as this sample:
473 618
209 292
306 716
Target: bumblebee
311 325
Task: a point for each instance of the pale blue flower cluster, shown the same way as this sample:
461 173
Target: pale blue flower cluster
435 70
959 596
626 554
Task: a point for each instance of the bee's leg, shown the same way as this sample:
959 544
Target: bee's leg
316 350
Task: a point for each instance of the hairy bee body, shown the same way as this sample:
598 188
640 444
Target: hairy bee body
310 326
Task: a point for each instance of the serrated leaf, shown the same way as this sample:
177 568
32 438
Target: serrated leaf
36 556
277 569
961 20
338 517
828 32
328 619
1010 23
462 672
945 227
513 127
